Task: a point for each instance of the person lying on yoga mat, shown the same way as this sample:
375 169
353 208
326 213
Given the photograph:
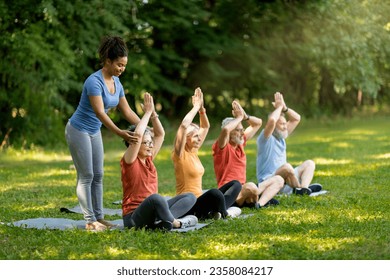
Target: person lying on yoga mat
271 152
142 206
214 203
230 160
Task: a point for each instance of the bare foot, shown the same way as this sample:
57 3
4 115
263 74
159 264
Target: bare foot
106 223
95 226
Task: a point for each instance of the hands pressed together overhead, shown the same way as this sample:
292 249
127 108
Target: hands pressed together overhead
279 101
197 99
147 107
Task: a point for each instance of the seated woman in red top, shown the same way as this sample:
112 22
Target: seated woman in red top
142 207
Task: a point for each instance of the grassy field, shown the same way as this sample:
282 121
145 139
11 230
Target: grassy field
352 221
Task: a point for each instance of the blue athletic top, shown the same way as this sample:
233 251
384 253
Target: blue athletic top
84 118
271 154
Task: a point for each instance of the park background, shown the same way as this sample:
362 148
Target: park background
327 58
330 59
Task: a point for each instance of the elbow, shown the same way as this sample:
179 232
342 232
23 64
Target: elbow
138 135
258 124
225 131
100 114
184 126
160 134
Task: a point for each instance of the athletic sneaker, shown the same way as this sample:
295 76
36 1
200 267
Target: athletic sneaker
315 187
164 225
188 221
272 202
233 212
302 191
252 205
215 215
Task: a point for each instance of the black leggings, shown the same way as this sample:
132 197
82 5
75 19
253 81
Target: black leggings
155 208
216 200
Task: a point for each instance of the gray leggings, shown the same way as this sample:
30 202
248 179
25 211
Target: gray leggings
87 154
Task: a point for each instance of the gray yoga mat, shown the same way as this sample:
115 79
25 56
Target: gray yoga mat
64 224
106 211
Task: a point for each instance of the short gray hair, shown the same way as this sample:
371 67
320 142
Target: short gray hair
226 121
132 129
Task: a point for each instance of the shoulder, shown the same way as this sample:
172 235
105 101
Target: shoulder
218 151
215 146
96 76
124 164
262 138
174 156
261 135
94 84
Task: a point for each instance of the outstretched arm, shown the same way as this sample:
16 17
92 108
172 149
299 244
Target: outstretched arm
254 124
159 133
274 116
293 118
133 149
180 140
204 121
238 114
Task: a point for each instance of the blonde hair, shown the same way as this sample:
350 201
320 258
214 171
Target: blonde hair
194 126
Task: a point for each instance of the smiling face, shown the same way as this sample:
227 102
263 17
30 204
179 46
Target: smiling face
116 67
236 136
280 131
146 149
193 139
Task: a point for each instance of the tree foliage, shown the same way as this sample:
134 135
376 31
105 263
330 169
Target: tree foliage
322 55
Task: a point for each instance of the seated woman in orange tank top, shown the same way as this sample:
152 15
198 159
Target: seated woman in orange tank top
214 203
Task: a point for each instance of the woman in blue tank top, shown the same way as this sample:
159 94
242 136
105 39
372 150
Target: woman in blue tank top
102 91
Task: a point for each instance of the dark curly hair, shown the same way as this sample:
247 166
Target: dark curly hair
112 47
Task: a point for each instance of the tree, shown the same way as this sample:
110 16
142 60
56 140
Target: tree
47 50
323 55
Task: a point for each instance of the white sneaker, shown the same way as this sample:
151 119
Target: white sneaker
188 221
233 212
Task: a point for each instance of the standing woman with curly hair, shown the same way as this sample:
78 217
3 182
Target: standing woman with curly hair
102 91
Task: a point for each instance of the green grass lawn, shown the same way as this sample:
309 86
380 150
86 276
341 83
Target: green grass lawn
352 221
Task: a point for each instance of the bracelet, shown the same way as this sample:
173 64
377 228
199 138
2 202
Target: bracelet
202 112
285 111
154 117
247 117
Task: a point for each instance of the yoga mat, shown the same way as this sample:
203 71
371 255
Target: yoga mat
64 224
106 211
318 193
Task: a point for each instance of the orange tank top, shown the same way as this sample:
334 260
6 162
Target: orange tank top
188 172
